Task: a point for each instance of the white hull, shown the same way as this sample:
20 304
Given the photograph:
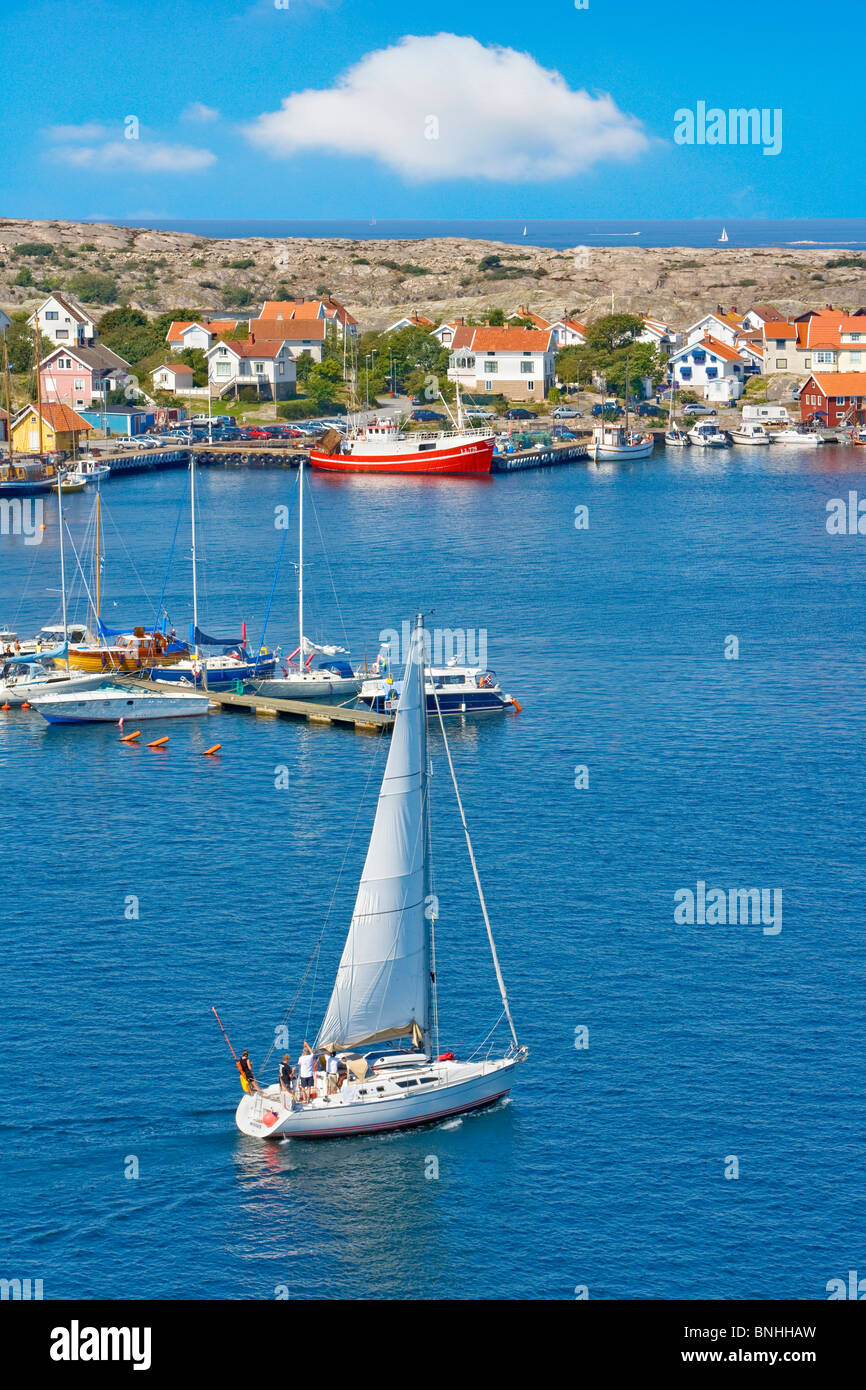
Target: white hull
621 451
315 686
385 1104
744 437
802 441
26 691
107 706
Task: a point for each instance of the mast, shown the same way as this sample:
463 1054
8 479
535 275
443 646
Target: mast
194 566
98 600
38 376
301 565
62 569
8 395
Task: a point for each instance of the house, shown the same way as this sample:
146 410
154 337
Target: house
265 364
5 321
200 333
120 419
724 327
61 432
567 332
659 335
301 335
78 376
709 366
445 332
329 309
177 377
828 339
411 321
62 319
760 314
517 362
838 397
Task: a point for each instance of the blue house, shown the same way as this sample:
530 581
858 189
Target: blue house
120 419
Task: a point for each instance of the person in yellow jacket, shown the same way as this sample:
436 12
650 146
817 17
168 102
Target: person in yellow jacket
245 1067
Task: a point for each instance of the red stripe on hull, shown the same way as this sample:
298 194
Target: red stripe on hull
471 458
397 1124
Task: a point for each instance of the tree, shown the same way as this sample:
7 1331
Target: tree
496 318
613 331
19 344
92 287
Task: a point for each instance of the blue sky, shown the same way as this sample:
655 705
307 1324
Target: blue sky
204 79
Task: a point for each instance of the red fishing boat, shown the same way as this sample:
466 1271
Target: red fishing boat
381 447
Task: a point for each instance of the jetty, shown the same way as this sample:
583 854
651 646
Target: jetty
360 719
550 454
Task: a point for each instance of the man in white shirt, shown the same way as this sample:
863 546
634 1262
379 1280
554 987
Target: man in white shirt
306 1072
332 1066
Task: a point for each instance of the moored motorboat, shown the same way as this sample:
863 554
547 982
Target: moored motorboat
613 441
707 435
385 988
111 702
750 432
797 435
454 689
381 447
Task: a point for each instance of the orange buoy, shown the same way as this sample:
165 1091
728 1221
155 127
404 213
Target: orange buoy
216 748
159 742
26 706
130 738
517 706
5 707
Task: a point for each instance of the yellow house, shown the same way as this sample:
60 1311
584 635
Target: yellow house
62 430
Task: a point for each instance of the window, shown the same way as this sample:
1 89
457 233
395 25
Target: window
685 373
527 368
840 400
51 314
491 367
699 357
826 357
79 384
488 385
221 369
807 361
855 358
530 385
282 368
855 337
260 367
712 373
781 363
61 333
404 1084
780 342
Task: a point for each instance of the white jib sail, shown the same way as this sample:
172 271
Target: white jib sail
381 988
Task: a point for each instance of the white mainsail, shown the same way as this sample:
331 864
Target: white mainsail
382 985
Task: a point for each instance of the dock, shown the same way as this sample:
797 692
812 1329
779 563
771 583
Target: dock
551 454
361 719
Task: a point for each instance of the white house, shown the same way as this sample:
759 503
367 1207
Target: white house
200 333
445 332
411 321
725 328
761 314
62 319
516 362
567 332
710 367
302 335
283 310
264 364
172 378
660 335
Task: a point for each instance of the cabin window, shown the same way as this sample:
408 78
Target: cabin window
422 447
380 1089
404 1084
362 1093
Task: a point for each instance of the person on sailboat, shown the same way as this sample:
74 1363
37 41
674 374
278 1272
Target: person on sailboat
307 1072
248 1081
332 1068
287 1075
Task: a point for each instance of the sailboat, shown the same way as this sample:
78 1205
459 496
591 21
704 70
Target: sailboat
304 683
385 988
724 236
674 437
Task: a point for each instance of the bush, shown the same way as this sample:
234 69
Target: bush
304 409
33 248
92 287
235 296
246 264
490 263
23 278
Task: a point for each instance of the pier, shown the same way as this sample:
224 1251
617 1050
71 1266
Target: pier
361 719
569 452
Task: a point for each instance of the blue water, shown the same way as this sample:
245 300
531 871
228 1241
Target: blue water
607 1168
822 232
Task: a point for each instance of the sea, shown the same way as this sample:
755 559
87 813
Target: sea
557 234
689 655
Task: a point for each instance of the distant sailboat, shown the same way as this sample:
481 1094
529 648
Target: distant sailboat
724 236
524 231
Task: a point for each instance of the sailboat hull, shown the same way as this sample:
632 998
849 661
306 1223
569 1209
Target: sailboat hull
380 1103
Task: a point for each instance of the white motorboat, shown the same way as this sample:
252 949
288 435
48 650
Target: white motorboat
802 438
385 988
73 482
675 438
90 470
613 441
453 689
707 435
750 432
111 702
22 683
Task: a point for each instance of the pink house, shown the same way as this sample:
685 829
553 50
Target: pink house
78 376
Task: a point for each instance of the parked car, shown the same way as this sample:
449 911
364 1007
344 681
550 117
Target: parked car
564 433
647 408
599 409
259 432
698 408
566 412
518 412
428 415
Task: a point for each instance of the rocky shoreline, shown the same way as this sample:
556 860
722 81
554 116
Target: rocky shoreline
379 281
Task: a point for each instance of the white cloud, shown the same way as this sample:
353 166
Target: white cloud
73 133
136 156
498 115
197 111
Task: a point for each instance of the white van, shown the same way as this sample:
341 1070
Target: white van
776 414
